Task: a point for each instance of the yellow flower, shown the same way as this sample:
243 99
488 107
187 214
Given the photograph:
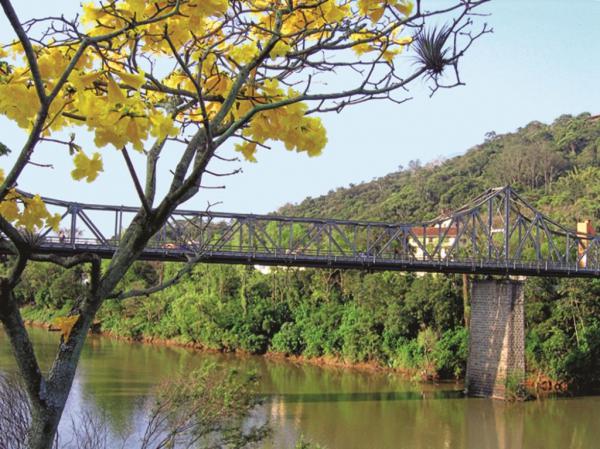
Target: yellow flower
114 93
279 50
9 210
135 80
53 221
248 149
34 213
83 79
405 7
65 325
86 167
162 126
243 54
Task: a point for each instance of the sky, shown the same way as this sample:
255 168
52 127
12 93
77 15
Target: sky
540 62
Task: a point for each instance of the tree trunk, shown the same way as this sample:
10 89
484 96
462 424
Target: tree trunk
43 427
43 421
47 396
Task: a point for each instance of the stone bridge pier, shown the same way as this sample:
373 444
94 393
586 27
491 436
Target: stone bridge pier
496 338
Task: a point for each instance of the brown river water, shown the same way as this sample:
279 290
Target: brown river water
336 408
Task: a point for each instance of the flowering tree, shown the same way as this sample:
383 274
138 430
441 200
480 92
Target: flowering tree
197 77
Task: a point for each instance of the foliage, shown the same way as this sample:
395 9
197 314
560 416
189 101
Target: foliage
208 407
288 340
565 187
385 318
515 388
564 336
450 353
52 286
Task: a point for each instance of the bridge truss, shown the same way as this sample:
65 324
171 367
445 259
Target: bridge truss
498 232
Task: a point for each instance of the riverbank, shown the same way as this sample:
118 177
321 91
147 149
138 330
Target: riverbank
323 361
327 333
536 384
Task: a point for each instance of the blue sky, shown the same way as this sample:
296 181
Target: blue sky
542 61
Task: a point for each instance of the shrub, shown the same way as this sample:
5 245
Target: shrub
288 340
357 333
450 353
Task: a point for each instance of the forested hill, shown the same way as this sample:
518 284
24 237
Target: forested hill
555 166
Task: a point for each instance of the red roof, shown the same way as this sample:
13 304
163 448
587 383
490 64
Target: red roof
435 231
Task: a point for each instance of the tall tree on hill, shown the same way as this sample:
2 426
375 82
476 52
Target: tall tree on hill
193 78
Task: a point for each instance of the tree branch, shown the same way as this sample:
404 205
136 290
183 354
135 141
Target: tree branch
65 262
151 162
136 182
21 345
26 43
184 271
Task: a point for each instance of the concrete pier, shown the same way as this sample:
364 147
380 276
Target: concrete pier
496 339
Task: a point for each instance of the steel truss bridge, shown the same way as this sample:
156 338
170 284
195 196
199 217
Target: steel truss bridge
498 232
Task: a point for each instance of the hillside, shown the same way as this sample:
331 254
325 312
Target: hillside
556 166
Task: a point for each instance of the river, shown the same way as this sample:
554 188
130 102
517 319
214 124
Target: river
337 408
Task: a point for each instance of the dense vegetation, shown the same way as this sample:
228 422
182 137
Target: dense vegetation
413 323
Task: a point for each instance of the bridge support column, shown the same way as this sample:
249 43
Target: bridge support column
496 339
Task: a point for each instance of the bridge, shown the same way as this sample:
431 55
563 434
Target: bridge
498 232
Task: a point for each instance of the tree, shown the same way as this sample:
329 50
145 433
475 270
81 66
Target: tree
191 77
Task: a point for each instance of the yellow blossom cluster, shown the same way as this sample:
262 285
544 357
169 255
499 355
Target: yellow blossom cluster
86 167
288 124
375 9
388 46
108 96
30 213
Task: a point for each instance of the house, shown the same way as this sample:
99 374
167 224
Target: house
429 237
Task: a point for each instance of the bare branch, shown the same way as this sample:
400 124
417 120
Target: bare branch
27 48
65 262
186 270
136 182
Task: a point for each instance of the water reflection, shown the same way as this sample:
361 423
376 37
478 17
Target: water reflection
339 409
370 397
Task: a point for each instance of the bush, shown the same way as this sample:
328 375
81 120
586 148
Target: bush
357 333
451 352
569 359
318 326
408 356
288 340
212 403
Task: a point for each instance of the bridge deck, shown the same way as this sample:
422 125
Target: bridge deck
360 262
